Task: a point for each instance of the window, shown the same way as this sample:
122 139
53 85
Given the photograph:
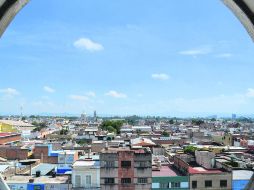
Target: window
223 183
175 185
164 185
78 181
109 180
37 187
126 164
194 184
88 180
142 164
109 164
126 180
142 180
208 183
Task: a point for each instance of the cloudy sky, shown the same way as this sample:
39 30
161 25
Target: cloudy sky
126 57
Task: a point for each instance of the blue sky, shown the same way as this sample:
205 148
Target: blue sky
177 58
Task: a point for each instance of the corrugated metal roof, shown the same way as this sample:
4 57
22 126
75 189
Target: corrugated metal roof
43 168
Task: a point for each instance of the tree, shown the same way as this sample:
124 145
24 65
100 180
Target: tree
111 129
190 149
165 134
39 126
112 124
197 121
171 121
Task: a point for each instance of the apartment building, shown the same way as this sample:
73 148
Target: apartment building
202 178
125 169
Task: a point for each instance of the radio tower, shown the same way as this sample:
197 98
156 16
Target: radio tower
21 112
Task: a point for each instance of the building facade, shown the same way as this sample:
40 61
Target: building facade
86 174
125 169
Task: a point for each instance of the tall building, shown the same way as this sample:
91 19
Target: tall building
94 116
125 169
233 116
83 117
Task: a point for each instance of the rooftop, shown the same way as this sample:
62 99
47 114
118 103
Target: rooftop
242 174
119 149
201 170
44 168
42 179
86 163
8 134
16 123
165 171
142 142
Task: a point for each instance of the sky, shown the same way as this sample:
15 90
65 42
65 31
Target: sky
125 57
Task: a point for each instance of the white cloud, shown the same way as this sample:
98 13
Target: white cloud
48 89
224 55
79 97
87 44
116 94
9 91
91 94
160 76
197 51
250 92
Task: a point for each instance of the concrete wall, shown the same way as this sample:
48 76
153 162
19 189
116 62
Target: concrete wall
204 158
10 139
200 178
83 172
140 168
41 152
13 153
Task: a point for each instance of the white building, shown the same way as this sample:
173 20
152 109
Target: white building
143 128
86 174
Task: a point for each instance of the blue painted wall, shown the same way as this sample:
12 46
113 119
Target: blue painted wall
239 184
35 187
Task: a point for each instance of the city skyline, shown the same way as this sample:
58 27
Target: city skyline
125 58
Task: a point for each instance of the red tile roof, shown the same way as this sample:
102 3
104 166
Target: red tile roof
7 134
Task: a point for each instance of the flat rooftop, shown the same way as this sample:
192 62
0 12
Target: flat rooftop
201 170
86 163
121 149
165 171
38 180
242 174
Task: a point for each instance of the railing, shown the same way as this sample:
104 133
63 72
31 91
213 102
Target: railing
91 187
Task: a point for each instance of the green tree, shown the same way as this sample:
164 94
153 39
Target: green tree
171 121
39 126
189 149
165 134
109 125
197 121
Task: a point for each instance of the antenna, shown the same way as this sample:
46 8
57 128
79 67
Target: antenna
21 112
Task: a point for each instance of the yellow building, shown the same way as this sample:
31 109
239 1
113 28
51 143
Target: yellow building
4 128
13 126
